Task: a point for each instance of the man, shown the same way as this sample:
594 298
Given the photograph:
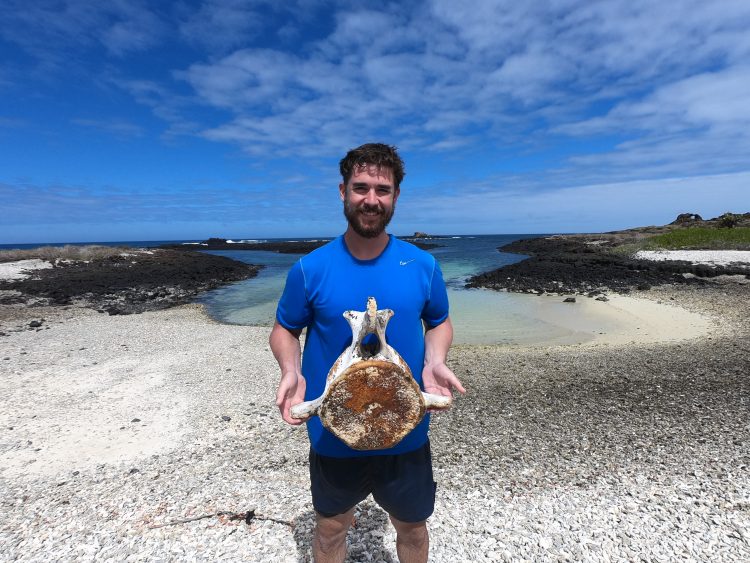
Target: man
340 276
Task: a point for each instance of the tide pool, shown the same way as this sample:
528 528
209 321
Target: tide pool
479 316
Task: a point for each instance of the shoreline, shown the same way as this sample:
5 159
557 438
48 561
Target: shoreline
164 416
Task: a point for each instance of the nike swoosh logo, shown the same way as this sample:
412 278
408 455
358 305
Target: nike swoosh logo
405 262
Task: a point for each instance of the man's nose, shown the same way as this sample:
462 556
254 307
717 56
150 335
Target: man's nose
371 198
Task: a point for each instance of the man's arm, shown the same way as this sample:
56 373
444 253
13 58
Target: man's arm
286 349
437 377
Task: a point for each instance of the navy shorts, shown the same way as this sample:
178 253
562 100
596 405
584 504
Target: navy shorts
401 484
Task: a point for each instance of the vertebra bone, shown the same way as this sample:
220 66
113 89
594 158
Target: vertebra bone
370 401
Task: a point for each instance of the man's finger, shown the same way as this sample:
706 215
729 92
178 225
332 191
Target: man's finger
293 421
287 415
455 383
280 396
282 392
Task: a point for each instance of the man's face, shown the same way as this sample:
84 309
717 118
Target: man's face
369 200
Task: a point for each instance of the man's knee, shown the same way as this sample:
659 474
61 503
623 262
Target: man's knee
411 533
330 532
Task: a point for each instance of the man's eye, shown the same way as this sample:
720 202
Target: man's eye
384 191
360 190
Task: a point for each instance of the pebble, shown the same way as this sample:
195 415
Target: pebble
558 454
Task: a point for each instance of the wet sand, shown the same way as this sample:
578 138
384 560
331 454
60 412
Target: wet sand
620 319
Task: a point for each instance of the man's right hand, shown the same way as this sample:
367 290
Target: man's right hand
291 392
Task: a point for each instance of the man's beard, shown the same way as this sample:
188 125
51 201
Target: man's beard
352 215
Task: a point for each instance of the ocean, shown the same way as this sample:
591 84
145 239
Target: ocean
479 316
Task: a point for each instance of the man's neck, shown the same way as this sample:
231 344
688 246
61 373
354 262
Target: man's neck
363 248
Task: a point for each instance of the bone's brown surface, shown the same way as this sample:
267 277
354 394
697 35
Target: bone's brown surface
373 405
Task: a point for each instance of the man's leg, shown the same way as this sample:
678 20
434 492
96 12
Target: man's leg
337 485
412 541
404 487
329 539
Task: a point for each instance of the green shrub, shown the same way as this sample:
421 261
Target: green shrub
728 220
700 238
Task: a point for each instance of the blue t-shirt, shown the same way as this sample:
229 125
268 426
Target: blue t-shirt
327 282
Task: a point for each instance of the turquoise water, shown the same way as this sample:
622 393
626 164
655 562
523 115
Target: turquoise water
479 316
253 302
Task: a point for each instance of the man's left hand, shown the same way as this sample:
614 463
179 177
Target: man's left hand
439 379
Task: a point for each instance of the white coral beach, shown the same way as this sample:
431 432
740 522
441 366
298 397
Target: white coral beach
21 268
708 257
152 436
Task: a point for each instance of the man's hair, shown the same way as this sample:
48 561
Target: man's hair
374 154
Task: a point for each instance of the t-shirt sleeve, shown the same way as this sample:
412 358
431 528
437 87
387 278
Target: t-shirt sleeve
435 310
294 311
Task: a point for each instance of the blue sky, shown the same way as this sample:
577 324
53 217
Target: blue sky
135 120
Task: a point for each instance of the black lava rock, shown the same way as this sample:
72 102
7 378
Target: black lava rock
572 264
140 281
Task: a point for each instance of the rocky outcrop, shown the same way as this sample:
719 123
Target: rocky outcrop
587 265
725 220
136 281
591 264
283 247
213 241
686 219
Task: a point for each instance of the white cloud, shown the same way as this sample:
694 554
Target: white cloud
582 208
699 124
131 28
508 70
497 28
222 24
709 99
168 106
50 30
251 78
31 203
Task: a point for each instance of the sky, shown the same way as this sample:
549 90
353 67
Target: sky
135 120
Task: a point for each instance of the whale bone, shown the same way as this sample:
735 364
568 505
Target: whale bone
371 400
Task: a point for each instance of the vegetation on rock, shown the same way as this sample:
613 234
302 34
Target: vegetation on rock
68 252
700 238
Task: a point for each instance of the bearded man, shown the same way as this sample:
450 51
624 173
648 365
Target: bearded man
365 261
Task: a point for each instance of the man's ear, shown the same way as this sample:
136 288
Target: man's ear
342 192
396 193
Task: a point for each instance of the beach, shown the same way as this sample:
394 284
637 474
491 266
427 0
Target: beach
154 436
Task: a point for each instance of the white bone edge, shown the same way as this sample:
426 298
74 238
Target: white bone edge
363 323
306 410
432 401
